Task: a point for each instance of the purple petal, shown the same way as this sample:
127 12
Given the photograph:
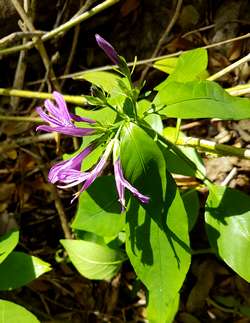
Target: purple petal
119 185
62 106
71 131
98 168
72 178
107 48
122 183
81 119
47 118
61 171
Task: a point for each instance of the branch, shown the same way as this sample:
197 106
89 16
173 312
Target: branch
63 28
213 147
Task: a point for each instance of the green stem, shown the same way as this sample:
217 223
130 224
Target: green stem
20 118
177 132
212 147
75 99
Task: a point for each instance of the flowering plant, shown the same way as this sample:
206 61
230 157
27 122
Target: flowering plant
125 127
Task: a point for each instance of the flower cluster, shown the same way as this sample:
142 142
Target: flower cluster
68 173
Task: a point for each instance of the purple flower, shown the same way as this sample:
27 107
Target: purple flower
60 120
122 183
107 48
68 171
97 170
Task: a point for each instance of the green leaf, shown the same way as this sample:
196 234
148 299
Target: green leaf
105 116
105 80
189 67
99 210
157 240
93 260
171 310
7 243
200 99
166 65
228 226
154 120
13 313
19 269
192 205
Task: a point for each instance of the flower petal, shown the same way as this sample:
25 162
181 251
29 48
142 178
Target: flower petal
62 106
107 48
71 131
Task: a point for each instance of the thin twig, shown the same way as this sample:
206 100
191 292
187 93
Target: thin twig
72 52
62 28
198 30
19 35
229 177
229 68
163 37
75 99
38 42
239 89
146 61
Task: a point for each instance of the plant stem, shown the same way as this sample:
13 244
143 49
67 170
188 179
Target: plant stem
75 99
213 147
20 118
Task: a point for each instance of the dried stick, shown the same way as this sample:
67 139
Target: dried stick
62 28
39 44
229 68
163 37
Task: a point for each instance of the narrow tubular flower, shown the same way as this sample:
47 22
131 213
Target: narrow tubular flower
107 48
60 120
68 172
97 170
121 182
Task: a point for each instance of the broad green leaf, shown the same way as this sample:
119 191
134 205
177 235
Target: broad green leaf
19 269
154 120
105 80
171 310
142 107
166 65
189 67
228 227
200 99
192 205
105 116
14 313
8 242
99 210
177 164
93 260
157 240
